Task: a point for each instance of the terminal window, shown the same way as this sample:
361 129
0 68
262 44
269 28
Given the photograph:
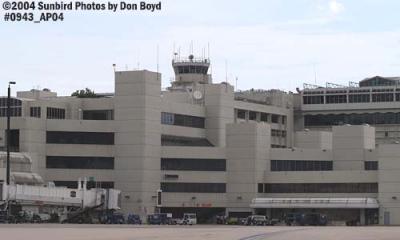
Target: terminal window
61 137
35 112
194 187
74 162
300 165
319 187
182 120
98 115
55 113
193 164
170 140
15 107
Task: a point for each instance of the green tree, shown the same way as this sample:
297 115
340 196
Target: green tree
84 93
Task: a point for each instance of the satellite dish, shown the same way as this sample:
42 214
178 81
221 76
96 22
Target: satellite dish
197 95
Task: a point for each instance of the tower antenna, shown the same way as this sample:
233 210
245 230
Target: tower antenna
208 50
226 71
315 74
236 80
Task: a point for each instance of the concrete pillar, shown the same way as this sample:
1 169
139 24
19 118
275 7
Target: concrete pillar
362 217
219 111
247 155
137 139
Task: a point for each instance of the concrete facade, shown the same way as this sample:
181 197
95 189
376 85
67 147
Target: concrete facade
211 150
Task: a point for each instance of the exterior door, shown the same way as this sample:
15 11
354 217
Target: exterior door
386 218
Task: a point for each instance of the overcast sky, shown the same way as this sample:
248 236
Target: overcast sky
265 44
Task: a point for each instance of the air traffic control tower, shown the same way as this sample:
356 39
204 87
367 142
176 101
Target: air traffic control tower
190 71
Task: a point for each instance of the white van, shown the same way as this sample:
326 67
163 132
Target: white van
189 219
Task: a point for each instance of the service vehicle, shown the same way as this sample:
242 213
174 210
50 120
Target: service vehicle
257 220
188 219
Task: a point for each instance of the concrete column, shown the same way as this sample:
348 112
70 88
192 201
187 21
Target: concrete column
362 217
219 111
137 139
247 155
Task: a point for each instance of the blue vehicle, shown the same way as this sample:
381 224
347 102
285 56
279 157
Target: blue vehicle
154 219
134 219
160 219
113 218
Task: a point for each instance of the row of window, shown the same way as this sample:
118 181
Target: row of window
318 187
353 98
277 146
192 69
73 162
55 113
182 120
15 107
98 115
330 99
14 112
35 112
60 137
241 114
89 185
353 119
193 164
13 102
194 187
301 165
371 165
170 140
278 133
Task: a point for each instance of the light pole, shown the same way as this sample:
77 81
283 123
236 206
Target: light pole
8 131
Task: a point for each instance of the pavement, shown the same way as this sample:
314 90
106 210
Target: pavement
209 232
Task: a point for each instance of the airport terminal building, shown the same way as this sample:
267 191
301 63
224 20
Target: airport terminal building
213 150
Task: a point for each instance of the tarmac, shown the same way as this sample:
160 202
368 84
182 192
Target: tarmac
209 232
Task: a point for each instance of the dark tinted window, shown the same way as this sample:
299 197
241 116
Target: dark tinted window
313 99
169 140
55 113
300 165
264 117
252 115
321 188
336 99
35 112
358 98
14 140
371 165
382 97
275 118
193 164
182 120
241 114
353 119
101 138
69 162
15 107
194 187
98 114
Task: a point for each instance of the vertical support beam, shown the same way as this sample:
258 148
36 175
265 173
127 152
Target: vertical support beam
362 216
8 134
